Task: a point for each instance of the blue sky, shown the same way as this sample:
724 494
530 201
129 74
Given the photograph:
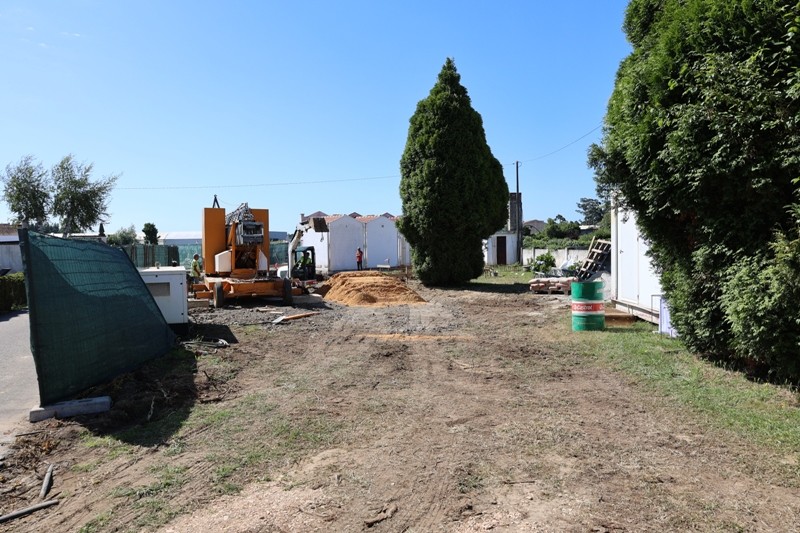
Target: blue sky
298 106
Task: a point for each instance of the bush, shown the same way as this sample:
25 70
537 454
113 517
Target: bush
544 262
12 292
760 304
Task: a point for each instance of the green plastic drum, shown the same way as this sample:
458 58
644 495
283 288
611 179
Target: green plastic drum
588 306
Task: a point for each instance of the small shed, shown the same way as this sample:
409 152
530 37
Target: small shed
501 248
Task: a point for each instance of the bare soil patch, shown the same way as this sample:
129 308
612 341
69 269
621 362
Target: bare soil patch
472 410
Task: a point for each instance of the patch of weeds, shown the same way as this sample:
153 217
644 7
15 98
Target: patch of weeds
214 416
154 498
83 468
221 477
168 478
114 447
221 369
468 479
227 488
257 404
96 524
176 447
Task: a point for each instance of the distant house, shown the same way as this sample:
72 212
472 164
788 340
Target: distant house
376 235
10 254
534 226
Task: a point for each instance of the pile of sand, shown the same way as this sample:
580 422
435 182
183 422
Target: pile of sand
368 288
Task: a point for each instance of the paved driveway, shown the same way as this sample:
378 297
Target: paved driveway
19 390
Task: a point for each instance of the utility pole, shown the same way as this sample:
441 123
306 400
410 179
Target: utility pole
518 209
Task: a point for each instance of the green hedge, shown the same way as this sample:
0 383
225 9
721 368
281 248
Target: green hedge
12 292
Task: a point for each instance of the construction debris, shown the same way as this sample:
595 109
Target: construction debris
284 318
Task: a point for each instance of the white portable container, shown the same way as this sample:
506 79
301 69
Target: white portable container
168 287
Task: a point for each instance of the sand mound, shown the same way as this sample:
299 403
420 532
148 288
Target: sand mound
368 288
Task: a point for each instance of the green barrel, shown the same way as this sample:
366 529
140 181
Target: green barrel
588 306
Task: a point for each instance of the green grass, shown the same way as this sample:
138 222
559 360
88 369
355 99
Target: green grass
764 413
250 437
506 274
113 447
96 524
155 497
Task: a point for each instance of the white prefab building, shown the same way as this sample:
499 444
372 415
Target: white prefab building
635 284
376 235
336 249
384 245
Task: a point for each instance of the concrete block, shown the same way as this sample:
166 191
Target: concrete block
198 303
87 406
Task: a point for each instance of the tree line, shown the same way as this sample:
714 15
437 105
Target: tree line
67 193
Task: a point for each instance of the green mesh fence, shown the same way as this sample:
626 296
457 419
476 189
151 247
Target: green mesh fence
186 254
91 314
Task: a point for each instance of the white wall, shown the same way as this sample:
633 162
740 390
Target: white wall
346 234
381 243
634 281
11 256
568 256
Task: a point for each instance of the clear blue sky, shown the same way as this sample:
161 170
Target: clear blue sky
298 106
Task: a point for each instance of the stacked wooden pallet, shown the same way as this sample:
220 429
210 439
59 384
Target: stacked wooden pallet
552 285
599 252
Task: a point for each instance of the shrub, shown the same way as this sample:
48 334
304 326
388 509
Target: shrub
760 304
12 292
544 262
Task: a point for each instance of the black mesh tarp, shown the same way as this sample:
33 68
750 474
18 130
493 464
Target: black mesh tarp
91 314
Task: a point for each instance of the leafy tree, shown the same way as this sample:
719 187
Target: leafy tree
702 142
79 202
27 191
150 233
452 188
561 228
592 210
123 236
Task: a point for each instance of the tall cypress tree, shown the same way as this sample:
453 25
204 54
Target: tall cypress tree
452 188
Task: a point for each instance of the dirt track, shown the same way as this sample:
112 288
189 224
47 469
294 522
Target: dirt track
472 411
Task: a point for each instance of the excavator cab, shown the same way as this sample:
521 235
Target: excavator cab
304 264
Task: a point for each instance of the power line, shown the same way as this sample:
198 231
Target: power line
317 182
562 148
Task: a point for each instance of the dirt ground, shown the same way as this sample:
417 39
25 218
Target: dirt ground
424 410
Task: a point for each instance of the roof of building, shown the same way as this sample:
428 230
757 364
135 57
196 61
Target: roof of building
8 229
